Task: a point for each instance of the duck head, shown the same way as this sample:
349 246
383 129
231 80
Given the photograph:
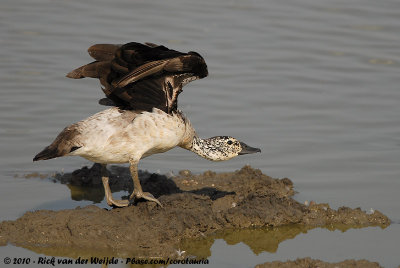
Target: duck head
221 148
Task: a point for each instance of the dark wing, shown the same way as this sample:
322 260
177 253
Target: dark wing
142 76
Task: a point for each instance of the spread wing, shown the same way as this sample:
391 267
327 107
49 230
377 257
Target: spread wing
141 76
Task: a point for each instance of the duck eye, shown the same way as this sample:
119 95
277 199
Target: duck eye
229 142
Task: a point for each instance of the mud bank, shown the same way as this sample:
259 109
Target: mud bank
308 262
194 206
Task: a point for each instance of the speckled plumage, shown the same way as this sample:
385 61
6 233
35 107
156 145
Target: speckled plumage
211 148
143 81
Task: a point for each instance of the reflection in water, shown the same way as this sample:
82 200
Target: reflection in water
259 240
79 193
266 239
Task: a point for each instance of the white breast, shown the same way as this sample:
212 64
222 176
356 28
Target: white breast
158 132
113 137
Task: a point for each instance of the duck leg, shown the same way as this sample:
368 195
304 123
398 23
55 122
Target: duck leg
137 188
107 190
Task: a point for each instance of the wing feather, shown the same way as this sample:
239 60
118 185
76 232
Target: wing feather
142 76
141 72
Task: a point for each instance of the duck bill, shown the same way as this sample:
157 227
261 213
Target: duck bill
248 150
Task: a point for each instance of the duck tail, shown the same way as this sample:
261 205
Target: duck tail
64 144
47 153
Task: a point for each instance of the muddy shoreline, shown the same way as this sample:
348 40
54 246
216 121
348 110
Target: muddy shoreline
194 207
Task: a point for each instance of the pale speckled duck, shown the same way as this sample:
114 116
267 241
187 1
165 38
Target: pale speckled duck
142 82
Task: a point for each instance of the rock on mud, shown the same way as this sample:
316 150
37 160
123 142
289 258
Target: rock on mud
193 206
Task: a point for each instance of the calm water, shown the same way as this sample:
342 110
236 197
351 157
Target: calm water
315 84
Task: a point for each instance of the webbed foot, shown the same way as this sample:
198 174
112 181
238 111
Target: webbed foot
110 200
144 195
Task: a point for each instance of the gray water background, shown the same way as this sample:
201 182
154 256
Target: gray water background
314 84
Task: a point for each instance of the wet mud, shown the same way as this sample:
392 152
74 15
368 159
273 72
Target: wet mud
308 262
198 208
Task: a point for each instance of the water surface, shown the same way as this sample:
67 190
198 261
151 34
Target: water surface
315 84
